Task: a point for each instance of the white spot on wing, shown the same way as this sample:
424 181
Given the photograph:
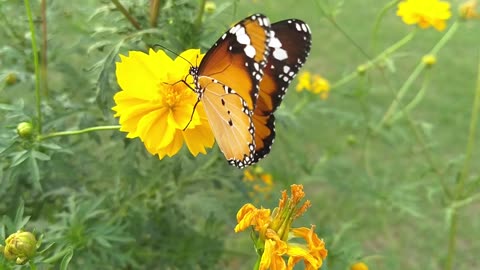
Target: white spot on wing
250 51
280 54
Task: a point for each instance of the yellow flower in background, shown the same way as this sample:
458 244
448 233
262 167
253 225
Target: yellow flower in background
425 13
468 10
259 182
274 237
155 106
320 86
304 81
359 266
315 84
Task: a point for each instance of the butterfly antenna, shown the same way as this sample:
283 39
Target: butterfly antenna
167 49
191 116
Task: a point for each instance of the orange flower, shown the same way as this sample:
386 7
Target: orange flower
273 233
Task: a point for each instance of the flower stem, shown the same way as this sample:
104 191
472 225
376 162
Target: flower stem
154 10
378 20
38 100
416 72
43 54
77 132
380 57
32 265
198 20
127 15
463 174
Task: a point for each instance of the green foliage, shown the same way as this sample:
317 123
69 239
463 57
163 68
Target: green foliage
383 158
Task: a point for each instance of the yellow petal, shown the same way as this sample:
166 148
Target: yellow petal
140 73
198 138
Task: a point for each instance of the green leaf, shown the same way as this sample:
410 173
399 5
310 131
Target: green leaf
19 158
66 259
51 146
40 155
35 172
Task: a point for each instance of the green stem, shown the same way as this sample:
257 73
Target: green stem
198 20
416 72
257 263
415 101
378 20
38 100
32 265
380 57
154 10
127 15
44 73
340 29
463 174
77 132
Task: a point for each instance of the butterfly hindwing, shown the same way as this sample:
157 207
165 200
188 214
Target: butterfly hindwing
289 46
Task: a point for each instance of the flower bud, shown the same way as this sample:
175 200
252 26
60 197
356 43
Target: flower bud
25 129
20 246
11 79
352 140
429 60
361 70
359 266
210 7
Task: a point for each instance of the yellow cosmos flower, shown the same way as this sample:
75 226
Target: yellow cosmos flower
274 237
304 81
468 10
315 84
156 106
320 86
425 13
259 182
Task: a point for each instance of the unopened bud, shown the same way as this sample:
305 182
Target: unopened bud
20 247
429 60
11 78
25 129
210 7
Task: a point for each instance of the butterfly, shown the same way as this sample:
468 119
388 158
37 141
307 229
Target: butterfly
242 80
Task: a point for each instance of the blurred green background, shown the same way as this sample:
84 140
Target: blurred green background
376 198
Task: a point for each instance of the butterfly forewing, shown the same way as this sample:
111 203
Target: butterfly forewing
239 56
289 46
227 82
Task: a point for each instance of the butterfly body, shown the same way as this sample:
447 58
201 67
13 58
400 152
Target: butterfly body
242 80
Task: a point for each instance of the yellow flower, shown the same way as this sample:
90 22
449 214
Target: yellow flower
260 182
468 10
156 106
320 86
425 13
274 234
315 84
304 81
359 266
